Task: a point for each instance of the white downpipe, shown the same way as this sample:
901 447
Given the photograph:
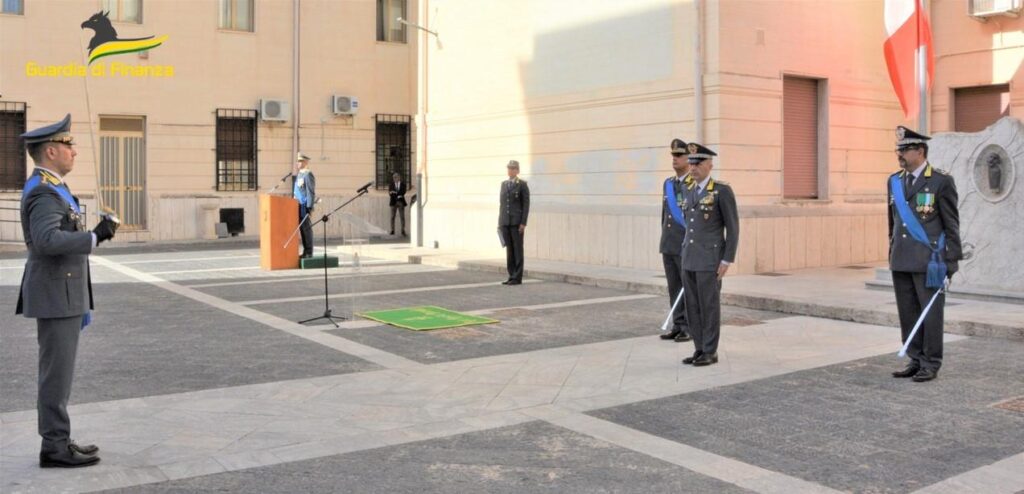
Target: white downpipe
698 73
295 83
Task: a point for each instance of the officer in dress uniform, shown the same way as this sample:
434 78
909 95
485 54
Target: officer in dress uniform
304 191
924 249
709 247
56 288
514 210
672 231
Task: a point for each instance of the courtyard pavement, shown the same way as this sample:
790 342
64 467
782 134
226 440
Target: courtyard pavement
196 377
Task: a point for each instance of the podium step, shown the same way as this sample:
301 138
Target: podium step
317 262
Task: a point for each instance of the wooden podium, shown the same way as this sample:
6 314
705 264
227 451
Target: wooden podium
279 217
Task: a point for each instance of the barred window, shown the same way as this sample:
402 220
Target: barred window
12 150
236 149
394 148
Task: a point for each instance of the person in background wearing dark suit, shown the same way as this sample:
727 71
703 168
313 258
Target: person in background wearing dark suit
673 228
397 189
514 210
56 288
924 249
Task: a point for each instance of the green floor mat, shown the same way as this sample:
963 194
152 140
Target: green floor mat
425 318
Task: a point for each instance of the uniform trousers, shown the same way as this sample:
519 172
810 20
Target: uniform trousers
911 298
674 275
513 251
703 308
58 346
306 231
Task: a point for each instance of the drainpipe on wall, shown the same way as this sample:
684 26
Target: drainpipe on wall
295 84
421 177
698 72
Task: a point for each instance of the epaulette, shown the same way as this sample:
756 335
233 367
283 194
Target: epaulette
50 179
721 182
898 172
940 171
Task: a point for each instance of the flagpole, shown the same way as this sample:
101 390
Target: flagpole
922 75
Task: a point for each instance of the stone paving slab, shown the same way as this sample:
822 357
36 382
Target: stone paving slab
523 330
532 457
149 341
836 292
489 294
852 427
314 286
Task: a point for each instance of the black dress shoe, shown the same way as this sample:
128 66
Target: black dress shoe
925 375
68 458
85 449
683 336
506 282
909 371
670 336
515 282
690 360
706 359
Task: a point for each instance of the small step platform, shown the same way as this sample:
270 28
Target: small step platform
317 262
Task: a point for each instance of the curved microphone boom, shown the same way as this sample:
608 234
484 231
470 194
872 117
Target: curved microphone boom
279 182
365 188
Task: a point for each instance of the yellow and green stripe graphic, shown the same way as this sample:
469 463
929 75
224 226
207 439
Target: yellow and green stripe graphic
127 46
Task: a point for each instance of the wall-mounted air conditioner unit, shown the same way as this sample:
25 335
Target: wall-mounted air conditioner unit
274 110
981 9
345 105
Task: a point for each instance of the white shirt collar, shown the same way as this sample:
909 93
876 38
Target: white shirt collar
51 172
917 173
704 183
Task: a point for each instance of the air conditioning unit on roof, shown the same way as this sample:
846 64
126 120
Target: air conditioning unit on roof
274 110
345 105
988 8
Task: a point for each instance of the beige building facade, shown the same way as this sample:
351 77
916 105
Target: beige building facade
199 126
586 95
794 97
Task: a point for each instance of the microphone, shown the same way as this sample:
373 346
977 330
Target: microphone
279 182
365 187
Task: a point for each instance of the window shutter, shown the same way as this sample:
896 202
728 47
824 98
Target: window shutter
975 108
800 138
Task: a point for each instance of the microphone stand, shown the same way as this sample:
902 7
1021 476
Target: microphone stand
327 307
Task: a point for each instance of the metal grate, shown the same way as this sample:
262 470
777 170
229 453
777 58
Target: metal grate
772 274
394 148
12 150
236 149
855 267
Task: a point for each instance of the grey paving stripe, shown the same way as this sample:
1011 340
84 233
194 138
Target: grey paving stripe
364 352
1001 477
379 292
306 276
188 259
257 268
729 470
559 305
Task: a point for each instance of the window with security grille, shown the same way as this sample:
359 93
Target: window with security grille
388 27
394 148
236 150
12 149
975 108
236 15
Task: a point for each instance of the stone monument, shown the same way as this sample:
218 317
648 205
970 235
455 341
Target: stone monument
987 166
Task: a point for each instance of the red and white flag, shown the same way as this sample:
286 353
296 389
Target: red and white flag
907 27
